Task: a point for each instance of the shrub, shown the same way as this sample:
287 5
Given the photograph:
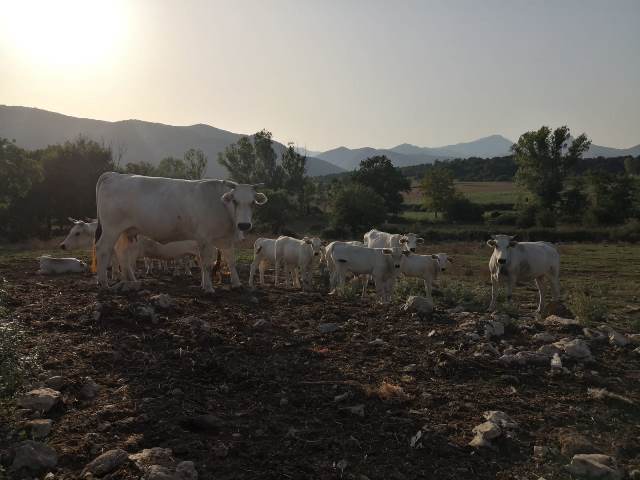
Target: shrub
461 209
15 367
456 293
357 207
527 215
509 218
586 304
545 218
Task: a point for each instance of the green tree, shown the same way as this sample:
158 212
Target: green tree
142 168
195 164
19 171
239 159
266 169
356 206
439 190
294 167
632 165
253 162
276 212
381 176
171 167
611 197
545 159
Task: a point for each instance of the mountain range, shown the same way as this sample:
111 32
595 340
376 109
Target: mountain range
138 141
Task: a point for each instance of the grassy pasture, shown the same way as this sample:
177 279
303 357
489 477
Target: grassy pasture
478 192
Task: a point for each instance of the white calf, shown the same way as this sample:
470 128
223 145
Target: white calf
296 257
264 254
50 265
513 261
425 267
377 239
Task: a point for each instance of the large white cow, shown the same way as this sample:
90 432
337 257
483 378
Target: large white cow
296 258
264 254
377 239
425 267
514 261
211 212
383 264
51 266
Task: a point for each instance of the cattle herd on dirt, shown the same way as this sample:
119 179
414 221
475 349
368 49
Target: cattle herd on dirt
168 220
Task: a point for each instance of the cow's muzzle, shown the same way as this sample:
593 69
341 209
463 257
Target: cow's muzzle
244 226
397 265
502 261
316 254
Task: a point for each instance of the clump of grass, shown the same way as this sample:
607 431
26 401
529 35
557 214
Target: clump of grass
350 291
406 287
15 367
473 298
587 304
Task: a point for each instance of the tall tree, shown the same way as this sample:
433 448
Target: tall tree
171 167
19 171
545 159
356 206
266 169
381 176
294 168
253 162
438 188
195 164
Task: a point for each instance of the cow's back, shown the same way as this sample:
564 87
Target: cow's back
534 259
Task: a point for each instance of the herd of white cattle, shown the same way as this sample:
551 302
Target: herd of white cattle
165 219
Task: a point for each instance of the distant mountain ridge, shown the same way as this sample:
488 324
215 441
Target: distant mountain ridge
34 128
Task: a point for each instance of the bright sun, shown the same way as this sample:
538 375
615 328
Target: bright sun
65 32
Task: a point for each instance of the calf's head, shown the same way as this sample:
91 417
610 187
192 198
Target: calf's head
316 244
501 247
239 201
395 254
80 235
443 259
410 240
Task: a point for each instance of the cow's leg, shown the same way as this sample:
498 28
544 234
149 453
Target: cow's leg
494 292
104 252
540 284
229 256
428 288
511 283
555 285
262 267
206 264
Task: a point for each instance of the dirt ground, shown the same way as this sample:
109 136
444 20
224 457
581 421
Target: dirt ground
287 401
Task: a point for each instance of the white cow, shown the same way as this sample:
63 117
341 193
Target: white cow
211 212
181 252
383 264
51 266
296 258
514 261
425 267
377 239
264 254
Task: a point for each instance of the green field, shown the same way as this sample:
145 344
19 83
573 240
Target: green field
478 192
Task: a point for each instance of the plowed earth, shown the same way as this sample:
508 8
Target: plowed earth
283 394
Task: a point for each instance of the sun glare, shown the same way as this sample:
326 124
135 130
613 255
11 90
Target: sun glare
59 33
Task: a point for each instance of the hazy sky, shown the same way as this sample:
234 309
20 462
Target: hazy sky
333 72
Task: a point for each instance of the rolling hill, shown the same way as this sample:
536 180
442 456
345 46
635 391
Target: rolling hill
34 128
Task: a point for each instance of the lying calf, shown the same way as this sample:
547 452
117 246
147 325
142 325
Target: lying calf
51 266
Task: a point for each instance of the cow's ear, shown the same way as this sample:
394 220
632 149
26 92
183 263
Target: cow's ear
419 240
261 198
72 220
434 256
403 239
491 243
450 259
387 251
306 240
323 243
227 197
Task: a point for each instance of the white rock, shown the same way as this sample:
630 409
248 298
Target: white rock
594 465
106 463
499 418
153 456
544 337
40 399
33 457
578 349
420 305
556 362
556 320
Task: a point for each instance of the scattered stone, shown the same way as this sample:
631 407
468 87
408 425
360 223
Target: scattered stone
555 361
594 466
39 428
377 342
635 339
603 394
55 382
550 350
89 389
544 337
572 443
261 323
525 358
342 397
576 349
34 457
494 329
106 463
484 433
153 456
421 305
40 399
473 336
617 339
594 335
158 472
186 471
561 321
220 450
163 301
328 328
356 410
147 312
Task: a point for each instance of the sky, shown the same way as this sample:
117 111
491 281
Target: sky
328 73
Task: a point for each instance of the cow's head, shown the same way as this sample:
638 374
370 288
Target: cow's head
410 240
501 245
316 245
395 255
442 259
239 201
80 235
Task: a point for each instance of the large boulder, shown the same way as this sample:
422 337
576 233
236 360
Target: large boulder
33 457
594 465
106 463
40 399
